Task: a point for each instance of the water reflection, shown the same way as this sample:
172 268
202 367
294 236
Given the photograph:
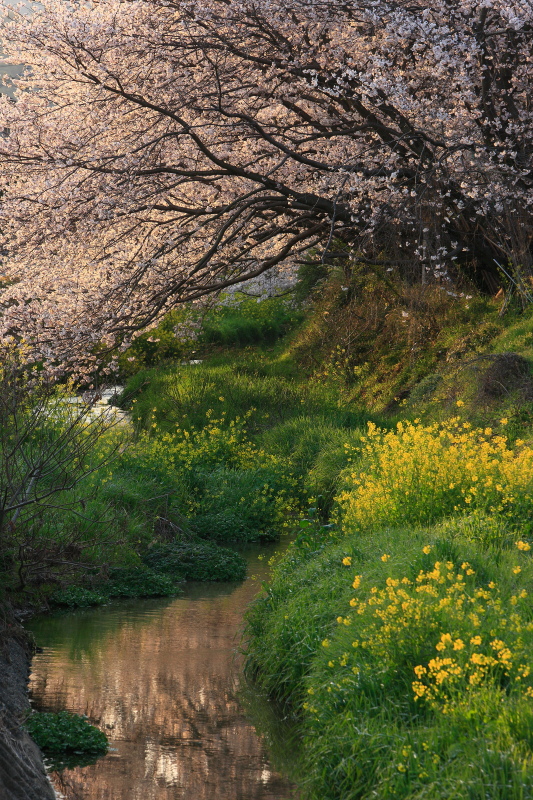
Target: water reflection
161 679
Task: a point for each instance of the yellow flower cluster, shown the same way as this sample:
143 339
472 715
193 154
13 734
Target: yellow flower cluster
479 636
219 443
420 473
466 664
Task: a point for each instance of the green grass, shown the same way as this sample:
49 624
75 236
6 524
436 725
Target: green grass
262 439
171 395
364 733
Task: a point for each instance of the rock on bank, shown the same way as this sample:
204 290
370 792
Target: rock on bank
22 774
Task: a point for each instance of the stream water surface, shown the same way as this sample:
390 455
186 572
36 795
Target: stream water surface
162 678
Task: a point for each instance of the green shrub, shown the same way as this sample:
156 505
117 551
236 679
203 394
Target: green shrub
196 561
78 597
139 582
65 733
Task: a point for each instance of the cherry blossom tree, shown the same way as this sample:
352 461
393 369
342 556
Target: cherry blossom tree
162 150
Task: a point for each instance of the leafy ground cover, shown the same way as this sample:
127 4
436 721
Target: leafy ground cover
66 738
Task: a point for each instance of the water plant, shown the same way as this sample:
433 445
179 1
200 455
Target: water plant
63 734
196 561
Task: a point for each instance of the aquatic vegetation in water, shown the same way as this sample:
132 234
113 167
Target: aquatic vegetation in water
65 734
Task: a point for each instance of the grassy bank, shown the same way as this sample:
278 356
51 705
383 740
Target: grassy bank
398 627
217 454
403 636
391 428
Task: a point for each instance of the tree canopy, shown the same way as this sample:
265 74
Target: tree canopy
161 150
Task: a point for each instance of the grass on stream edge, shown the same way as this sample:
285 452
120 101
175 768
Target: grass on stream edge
398 628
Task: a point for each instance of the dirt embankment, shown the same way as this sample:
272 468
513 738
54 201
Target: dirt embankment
22 774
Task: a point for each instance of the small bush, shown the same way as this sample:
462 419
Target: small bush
139 582
197 561
78 597
65 733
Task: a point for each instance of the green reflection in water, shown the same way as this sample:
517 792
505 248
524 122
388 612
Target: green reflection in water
161 677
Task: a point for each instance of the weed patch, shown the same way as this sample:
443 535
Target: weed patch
66 735
196 561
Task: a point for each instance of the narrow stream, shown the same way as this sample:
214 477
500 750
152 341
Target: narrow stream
161 677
